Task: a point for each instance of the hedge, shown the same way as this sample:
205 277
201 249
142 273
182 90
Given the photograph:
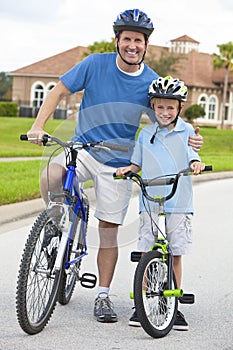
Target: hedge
8 109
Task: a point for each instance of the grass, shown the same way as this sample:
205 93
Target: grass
11 128
20 180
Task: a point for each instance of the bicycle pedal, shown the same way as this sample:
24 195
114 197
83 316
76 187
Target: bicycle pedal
135 256
187 299
88 280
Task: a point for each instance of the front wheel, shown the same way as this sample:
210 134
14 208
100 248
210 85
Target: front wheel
38 281
156 312
75 249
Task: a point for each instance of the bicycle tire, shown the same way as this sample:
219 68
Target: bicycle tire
71 274
155 312
37 282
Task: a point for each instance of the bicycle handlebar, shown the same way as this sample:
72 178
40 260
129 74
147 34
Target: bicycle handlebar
169 179
76 145
160 181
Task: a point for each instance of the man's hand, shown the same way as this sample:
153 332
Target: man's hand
196 141
36 133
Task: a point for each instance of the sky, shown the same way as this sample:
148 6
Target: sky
33 30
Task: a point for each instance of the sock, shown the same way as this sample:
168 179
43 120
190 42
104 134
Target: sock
103 292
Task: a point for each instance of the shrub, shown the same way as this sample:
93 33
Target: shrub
194 112
8 109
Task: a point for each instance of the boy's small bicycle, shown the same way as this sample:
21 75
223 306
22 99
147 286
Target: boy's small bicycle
51 260
155 290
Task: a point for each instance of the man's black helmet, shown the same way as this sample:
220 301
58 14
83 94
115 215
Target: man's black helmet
134 20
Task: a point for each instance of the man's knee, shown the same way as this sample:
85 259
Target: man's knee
108 234
53 179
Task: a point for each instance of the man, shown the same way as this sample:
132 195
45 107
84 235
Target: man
115 96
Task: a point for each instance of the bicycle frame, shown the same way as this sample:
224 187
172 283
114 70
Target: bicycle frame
71 191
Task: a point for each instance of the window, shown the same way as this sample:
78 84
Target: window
203 103
212 107
37 94
49 87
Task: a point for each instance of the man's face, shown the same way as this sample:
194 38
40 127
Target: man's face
132 46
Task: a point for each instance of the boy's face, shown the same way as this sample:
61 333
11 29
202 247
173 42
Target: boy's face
166 110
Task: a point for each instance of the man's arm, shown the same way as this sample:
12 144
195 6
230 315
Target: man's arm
46 110
196 141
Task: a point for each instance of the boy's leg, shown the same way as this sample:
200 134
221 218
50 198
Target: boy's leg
177 267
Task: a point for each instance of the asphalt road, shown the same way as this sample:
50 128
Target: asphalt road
208 273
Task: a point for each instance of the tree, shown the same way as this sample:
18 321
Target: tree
194 112
101 47
5 87
224 60
167 64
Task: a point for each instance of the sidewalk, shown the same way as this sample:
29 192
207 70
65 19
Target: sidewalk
13 212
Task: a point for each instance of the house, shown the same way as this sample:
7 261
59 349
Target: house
32 83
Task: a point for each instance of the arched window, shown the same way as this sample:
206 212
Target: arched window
202 101
212 107
37 94
49 87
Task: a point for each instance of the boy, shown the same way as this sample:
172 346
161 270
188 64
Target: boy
161 149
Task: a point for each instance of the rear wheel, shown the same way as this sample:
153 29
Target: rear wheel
156 312
38 282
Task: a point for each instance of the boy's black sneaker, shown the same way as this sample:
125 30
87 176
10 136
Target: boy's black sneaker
134 321
103 310
180 322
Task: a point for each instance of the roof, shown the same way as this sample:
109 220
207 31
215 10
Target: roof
185 38
55 65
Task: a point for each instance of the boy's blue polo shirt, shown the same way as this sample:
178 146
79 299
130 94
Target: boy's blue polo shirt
168 154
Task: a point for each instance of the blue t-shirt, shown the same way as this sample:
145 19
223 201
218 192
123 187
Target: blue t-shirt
168 154
112 104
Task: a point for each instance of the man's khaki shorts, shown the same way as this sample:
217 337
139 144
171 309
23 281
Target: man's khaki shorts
112 196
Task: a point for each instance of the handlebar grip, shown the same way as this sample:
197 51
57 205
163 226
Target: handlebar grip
23 137
208 168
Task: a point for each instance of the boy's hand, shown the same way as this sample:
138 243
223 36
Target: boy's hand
196 141
197 167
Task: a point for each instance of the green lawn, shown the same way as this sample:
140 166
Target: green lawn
20 180
11 128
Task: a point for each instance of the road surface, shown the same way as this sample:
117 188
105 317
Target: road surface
208 273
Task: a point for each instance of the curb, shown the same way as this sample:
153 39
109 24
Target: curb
17 211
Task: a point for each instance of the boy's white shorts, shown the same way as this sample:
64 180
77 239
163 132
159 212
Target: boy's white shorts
179 229
112 196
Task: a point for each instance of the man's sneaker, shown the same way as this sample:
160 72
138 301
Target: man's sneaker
180 323
103 310
134 321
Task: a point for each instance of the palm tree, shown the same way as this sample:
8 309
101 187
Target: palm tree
224 60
